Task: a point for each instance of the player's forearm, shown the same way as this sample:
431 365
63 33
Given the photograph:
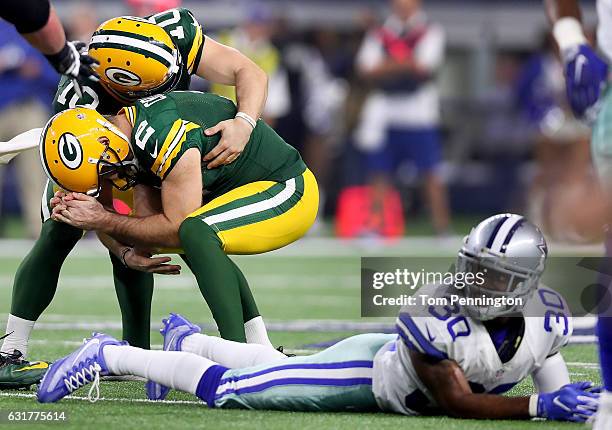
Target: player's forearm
251 89
51 38
487 406
113 245
565 17
557 9
151 231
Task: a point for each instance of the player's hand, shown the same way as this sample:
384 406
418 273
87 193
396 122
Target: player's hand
235 134
57 198
79 64
585 77
74 62
572 402
143 261
80 211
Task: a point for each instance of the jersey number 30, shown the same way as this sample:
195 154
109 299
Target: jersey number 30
457 326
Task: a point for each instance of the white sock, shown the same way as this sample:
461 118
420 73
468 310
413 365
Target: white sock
228 353
20 330
605 401
175 369
255 331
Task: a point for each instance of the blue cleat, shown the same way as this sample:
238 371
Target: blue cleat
175 329
83 366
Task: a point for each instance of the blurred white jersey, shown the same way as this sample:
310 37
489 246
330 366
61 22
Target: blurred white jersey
415 109
604 28
446 334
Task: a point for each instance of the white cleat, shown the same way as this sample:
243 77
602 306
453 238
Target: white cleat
603 419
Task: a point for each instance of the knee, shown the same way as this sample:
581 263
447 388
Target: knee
194 229
60 233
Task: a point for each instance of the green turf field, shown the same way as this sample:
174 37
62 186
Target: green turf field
293 288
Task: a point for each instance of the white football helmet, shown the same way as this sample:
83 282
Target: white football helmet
510 253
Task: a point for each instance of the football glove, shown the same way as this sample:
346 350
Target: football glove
573 402
585 77
74 62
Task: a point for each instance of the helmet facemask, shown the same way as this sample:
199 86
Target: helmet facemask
122 174
500 279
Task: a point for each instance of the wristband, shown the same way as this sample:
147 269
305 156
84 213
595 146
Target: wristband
123 254
568 33
533 405
247 118
60 61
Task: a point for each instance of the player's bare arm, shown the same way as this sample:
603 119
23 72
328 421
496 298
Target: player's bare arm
40 25
556 9
225 65
181 194
133 257
139 258
447 383
586 72
452 392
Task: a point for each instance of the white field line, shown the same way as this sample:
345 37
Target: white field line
298 351
580 339
324 247
188 282
75 344
584 365
320 326
194 402
302 351
584 322
110 399
291 326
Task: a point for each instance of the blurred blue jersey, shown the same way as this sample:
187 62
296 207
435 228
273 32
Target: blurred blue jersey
24 72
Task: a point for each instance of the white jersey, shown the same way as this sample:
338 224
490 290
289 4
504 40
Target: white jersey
604 28
447 334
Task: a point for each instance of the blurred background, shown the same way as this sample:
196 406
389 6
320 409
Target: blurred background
417 117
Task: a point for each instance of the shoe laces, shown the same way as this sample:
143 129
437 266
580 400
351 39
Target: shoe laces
88 373
11 358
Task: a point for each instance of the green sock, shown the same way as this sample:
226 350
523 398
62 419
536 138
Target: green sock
36 278
249 307
134 291
216 277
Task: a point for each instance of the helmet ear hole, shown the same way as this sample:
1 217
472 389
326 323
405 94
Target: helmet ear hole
103 140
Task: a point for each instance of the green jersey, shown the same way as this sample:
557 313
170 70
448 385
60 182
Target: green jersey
187 35
165 126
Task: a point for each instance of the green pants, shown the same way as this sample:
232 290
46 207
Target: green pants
38 274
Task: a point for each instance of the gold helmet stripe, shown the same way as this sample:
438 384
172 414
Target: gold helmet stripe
110 127
128 41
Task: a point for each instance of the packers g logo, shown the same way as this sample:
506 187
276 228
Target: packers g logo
70 151
122 77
